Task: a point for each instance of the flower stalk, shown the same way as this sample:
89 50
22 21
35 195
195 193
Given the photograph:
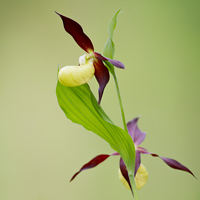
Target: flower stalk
120 101
131 175
133 185
108 51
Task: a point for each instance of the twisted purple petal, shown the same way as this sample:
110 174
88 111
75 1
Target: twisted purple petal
116 63
170 162
137 161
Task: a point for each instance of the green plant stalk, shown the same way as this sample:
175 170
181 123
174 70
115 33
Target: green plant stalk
131 175
133 185
120 101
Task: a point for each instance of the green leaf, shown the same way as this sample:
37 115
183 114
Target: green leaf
112 24
81 107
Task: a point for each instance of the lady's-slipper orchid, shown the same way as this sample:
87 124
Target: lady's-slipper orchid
73 76
141 174
95 59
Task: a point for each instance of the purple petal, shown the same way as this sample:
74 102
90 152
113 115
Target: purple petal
175 164
124 172
115 154
170 162
102 76
92 163
136 134
116 63
137 161
76 31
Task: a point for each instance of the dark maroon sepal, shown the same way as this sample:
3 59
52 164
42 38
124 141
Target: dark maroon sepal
124 172
136 134
170 162
76 31
92 163
116 63
102 76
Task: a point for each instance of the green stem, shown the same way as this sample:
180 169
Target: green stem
131 176
120 102
133 185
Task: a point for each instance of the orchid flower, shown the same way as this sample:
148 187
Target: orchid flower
141 174
90 63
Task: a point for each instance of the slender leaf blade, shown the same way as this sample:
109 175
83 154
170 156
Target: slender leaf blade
112 24
81 107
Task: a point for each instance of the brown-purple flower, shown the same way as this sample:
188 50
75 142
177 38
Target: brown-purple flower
138 137
101 72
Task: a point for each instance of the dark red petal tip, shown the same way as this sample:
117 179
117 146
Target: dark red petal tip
170 162
92 163
102 76
136 134
116 63
124 172
76 31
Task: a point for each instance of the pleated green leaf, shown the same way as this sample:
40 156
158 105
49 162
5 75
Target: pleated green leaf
81 107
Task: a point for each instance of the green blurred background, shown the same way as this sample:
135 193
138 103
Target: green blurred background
159 43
